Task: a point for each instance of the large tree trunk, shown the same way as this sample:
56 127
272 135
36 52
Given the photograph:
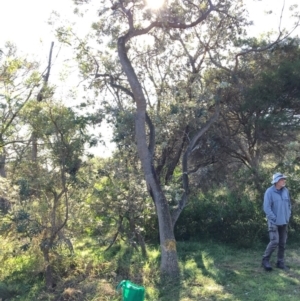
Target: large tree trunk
169 260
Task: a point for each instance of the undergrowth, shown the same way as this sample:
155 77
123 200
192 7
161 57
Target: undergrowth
209 271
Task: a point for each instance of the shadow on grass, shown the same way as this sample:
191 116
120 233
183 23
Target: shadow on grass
129 266
169 288
124 263
220 272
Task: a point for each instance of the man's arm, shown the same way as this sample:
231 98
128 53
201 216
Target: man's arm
268 207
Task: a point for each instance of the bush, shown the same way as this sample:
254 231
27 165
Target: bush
223 216
4 291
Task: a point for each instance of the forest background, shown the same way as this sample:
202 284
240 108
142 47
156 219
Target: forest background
201 114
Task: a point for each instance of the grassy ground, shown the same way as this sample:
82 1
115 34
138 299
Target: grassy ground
209 271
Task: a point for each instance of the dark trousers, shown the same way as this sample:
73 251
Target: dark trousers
278 237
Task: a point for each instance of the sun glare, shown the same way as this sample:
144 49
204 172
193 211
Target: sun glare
155 4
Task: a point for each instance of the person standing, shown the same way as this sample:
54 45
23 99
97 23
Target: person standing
277 207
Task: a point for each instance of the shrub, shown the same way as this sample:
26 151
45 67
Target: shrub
222 216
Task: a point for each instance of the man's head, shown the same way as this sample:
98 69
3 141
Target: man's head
279 179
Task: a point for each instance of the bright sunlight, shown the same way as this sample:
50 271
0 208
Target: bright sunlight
155 4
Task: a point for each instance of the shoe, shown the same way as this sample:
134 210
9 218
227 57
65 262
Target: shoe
266 264
281 265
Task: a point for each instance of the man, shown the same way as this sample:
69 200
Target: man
277 207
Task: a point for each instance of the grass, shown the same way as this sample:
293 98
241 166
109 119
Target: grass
209 271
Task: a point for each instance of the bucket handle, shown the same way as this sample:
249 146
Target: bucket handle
121 284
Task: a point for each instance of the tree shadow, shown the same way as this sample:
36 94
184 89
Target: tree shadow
129 267
170 288
235 274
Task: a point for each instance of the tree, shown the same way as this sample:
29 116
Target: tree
119 202
181 33
19 78
48 187
260 116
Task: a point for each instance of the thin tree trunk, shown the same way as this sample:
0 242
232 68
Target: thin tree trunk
40 97
137 235
48 268
34 147
2 165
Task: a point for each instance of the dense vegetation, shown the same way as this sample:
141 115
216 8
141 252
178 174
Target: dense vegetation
202 116
208 271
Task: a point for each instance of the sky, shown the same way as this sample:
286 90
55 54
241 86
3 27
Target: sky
25 22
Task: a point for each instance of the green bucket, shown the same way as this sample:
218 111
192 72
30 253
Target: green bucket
131 291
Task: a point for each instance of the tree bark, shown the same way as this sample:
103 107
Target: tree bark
39 98
48 269
2 165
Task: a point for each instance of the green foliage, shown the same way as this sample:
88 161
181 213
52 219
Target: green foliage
47 190
259 117
222 216
5 292
119 204
62 131
290 166
124 129
18 81
24 190
8 195
232 211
